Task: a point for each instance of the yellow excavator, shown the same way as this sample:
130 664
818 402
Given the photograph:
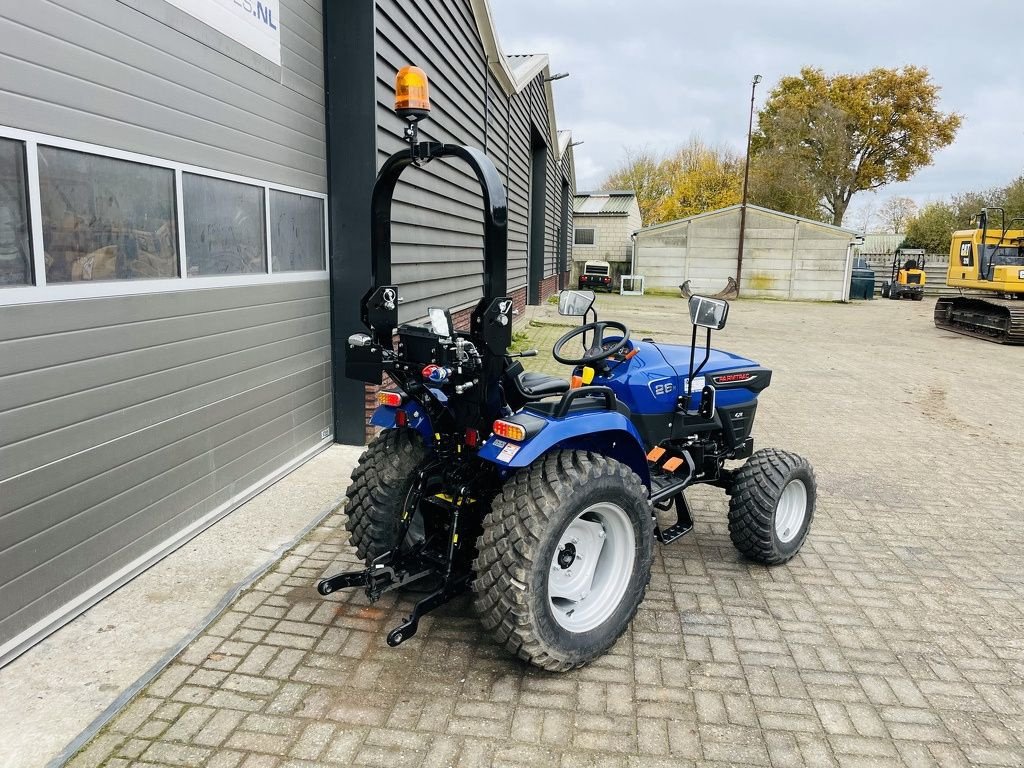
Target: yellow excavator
989 260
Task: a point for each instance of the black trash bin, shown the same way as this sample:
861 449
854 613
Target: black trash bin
862 283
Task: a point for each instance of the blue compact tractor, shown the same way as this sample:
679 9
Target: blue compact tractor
541 495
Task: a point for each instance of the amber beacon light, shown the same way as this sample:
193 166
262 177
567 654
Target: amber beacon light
412 93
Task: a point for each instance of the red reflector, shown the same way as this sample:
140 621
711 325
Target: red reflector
509 430
401 418
391 399
472 438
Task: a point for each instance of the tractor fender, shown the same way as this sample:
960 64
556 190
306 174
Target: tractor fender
605 432
416 418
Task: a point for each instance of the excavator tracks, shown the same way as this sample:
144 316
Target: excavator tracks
998 320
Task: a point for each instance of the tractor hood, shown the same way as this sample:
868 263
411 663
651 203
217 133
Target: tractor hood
678 356
656 376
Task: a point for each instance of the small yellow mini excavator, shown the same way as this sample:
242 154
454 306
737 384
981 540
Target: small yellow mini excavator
989 260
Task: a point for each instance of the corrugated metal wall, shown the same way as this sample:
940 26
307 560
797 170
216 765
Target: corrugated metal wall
126 420
783 258
103 72
437 213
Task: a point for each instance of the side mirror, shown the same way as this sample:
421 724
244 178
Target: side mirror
575 303
708 313
440 321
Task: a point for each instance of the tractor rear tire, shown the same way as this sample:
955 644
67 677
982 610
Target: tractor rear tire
380 486
771 506
569 508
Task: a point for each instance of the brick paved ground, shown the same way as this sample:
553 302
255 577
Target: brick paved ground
895 638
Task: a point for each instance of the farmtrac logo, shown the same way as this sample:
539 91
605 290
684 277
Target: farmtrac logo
258 11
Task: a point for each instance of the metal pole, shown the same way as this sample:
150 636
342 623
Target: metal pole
746 177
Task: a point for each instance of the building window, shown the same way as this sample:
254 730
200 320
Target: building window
296 232
225 227
105 219
15 253
584 237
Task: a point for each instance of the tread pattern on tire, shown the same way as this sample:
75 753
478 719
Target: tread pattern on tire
754 495
509 543
379 488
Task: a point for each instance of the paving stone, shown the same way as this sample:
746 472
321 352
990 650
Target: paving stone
176 754
218 728
188 723
880 644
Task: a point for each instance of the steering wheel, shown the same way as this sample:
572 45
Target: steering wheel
598 351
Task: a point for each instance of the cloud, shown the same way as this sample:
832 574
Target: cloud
655 72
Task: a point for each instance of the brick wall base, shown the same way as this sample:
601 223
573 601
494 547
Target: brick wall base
548 288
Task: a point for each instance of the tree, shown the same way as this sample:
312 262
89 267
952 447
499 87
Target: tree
896 213
701 178
778 180
643 172
864 217
696 178
932 228
849 133
1013 200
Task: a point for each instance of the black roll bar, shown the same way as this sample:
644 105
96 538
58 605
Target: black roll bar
495 211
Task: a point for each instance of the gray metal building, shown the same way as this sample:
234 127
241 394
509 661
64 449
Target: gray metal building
172 267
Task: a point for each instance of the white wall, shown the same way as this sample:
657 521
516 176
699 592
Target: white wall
783 258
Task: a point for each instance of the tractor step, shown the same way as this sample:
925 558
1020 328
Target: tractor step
671 472
682 526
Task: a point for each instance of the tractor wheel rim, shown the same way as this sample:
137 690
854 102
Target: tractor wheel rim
591 567
791 511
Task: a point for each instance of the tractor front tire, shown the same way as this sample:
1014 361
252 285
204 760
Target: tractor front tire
771 506
564 559
380 486
885 290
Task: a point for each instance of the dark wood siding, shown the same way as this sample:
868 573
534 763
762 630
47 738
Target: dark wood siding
437 229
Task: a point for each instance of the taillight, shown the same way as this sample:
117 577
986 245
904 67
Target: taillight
472 438
509 430
391 399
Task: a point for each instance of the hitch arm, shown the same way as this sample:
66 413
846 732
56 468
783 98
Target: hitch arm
450 589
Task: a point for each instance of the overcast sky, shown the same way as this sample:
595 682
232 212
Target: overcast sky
655 72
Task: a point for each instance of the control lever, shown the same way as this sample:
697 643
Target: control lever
524 353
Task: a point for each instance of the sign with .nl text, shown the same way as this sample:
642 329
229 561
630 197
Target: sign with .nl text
256 24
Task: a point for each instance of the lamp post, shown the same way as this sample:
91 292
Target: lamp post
746 177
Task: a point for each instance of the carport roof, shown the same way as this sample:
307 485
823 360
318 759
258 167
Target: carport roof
615 202
707 214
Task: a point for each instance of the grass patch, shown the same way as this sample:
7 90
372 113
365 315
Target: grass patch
520 341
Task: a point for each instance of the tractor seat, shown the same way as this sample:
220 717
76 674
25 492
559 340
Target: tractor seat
541 384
